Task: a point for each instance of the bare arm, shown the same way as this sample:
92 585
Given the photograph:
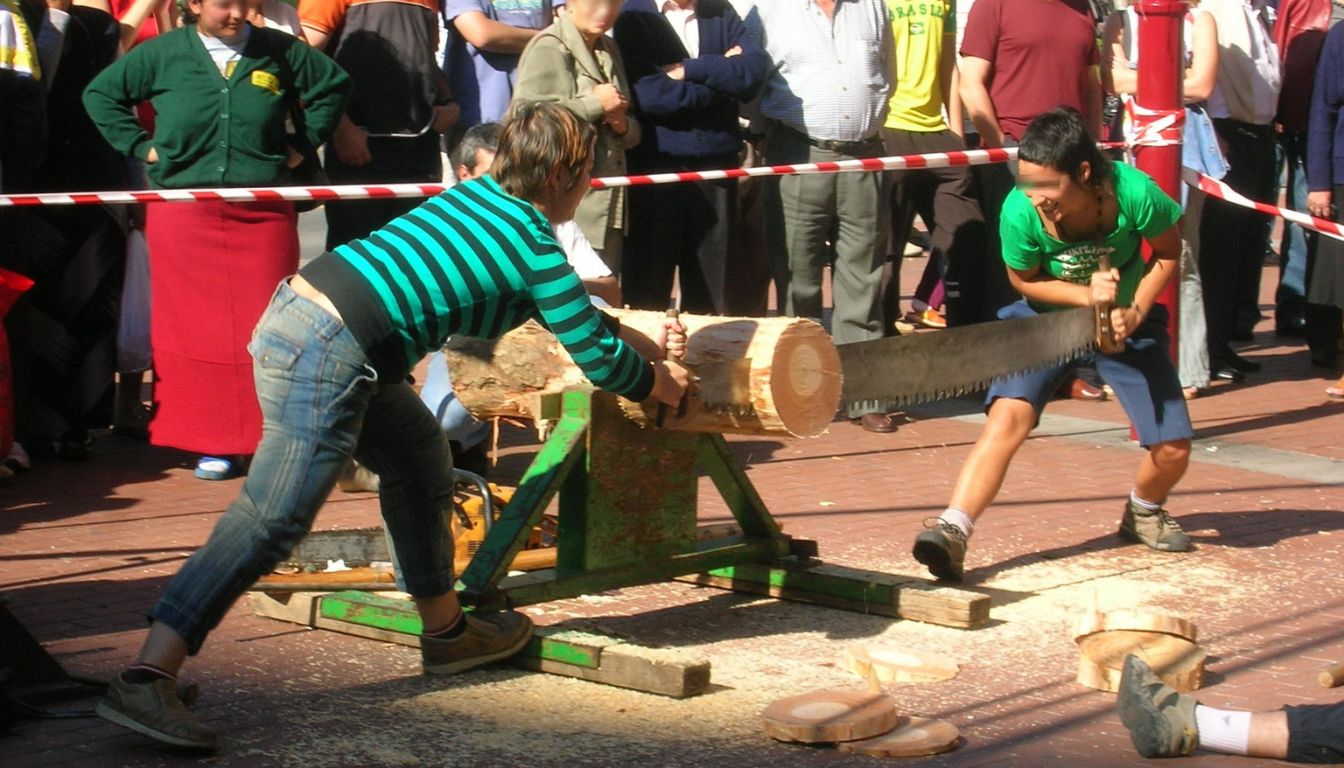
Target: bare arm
1095 99
1116 75
316 37
134 19
490 35
604 288
646 347
1160 270
951 79
975 74
1119 78
1044 289
1202 75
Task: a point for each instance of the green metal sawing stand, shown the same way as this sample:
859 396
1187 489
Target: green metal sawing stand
627 498
628 516
627 509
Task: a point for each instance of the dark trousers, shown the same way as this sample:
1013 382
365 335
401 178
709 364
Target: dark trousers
687 229
945 200
1232 239
396 160
1316 733
1324 318
1325 265
985 289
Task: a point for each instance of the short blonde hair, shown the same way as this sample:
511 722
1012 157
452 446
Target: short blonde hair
537 138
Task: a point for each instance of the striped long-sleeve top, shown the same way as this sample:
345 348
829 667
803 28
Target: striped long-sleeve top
473 261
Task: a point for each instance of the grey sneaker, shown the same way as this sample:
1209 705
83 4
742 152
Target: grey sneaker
942 549
1155 528
155 710
1160 720
489 637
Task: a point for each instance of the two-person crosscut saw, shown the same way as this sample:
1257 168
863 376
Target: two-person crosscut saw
904 370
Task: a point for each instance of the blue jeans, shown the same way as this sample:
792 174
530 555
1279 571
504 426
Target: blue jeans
321 402
1291 296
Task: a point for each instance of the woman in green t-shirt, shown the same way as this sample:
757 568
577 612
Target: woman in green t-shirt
1071 207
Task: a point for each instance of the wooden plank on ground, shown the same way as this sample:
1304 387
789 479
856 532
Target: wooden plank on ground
856 590
553 650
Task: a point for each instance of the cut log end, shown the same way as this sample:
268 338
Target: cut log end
1166 643
805 381
891 664
830 716
912 737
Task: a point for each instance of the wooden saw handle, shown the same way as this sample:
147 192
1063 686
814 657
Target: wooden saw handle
672 313
1106 341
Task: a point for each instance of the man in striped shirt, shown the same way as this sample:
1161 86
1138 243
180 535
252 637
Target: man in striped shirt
332 353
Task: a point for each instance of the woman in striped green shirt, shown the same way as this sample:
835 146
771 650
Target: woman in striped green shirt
332 353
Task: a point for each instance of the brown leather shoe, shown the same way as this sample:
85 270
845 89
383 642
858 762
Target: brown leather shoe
1081 390
877 422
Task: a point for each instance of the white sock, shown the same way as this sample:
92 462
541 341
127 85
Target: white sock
1223 730
1148 505
961 520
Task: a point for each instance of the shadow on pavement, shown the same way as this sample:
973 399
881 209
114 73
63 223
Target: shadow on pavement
104 606
55 490
1259 528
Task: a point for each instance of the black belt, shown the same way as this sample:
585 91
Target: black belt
843 147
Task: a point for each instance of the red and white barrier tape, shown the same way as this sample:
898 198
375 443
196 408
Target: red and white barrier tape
895 163
1155 127
361 192
1220 190
1156 133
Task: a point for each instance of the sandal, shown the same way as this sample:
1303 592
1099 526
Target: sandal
219 468
1336 391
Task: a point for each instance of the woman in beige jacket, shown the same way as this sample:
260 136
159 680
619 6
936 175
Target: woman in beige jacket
574 63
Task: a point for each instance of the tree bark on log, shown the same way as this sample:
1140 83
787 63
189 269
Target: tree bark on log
757 376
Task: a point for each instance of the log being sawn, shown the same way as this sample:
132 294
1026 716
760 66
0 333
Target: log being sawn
758 376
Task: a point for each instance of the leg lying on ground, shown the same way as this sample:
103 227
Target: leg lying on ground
1165 723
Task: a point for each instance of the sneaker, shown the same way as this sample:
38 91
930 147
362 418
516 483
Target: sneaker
930 318
489 637
220 468
1155 528
942 549
1160 720
155 710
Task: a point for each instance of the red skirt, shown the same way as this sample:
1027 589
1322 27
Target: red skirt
212 269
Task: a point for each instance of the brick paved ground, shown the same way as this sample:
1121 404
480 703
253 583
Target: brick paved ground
86 548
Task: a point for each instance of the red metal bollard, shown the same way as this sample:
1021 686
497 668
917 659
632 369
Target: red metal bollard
1160 73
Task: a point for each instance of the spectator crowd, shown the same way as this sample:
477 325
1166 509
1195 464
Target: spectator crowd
114 94
110 94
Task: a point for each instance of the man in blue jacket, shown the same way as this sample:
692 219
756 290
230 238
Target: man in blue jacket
691 63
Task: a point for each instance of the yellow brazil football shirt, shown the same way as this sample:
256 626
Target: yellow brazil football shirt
920 29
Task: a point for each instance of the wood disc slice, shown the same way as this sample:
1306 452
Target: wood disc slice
830 716
890 664
1165 643
912 737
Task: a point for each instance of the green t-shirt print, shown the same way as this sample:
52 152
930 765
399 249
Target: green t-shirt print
1145 211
